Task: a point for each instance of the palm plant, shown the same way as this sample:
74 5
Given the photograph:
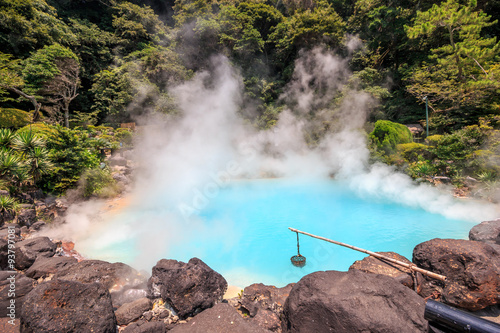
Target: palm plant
8 208
10 164
25 142
38 163
6 138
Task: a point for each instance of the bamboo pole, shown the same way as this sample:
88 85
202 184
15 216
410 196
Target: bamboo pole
412 266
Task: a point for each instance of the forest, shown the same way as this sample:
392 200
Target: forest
72 71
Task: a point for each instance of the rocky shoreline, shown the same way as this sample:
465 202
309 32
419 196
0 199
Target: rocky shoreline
58 291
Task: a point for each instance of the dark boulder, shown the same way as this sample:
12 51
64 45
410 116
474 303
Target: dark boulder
37 226
129 312
43 267
402 274
352 301
264 304
26 217
222 318
472 270
68 306
18 286
188 287
114 276
268 320
142 326
488 232
28 250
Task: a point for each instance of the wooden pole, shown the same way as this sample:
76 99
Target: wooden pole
411 266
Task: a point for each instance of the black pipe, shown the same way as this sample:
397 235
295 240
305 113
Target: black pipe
450 319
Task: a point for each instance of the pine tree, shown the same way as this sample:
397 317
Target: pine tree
464 70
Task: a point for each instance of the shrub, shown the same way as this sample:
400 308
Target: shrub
98 182
71 153
421 169
411 152
387 135
42 130
123 135
433 140
14 118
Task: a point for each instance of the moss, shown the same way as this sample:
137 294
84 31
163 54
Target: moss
14 118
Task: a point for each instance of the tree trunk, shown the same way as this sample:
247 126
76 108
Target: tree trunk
32 99
66 112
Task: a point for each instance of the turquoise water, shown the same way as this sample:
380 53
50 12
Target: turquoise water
245 234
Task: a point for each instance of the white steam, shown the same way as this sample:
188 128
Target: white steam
183 161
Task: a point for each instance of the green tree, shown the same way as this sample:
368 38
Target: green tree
245 28
112 91
306 29
11 81
53 72
136 26
27 25
71 154
464 70
187 11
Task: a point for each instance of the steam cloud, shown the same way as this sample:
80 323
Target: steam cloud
183 161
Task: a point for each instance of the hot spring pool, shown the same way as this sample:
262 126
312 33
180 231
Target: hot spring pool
243 231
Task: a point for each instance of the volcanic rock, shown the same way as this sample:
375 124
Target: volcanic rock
402 274
264 304
17 283
68 306
188 287
38 225
129 312
26 217
142 326
472 269
488 232
28 250
127 296
116 277
43 267
352 301
222 318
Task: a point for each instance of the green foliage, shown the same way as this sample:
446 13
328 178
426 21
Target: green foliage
25 142
306 29
124 135
113 91
413 151
27 25
387 135
462 72
98 182
40 129
161 66
93 46
71 154
41 67
6 138
14 118
421 169
11 165
8 205
187 11
9 74
136 26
